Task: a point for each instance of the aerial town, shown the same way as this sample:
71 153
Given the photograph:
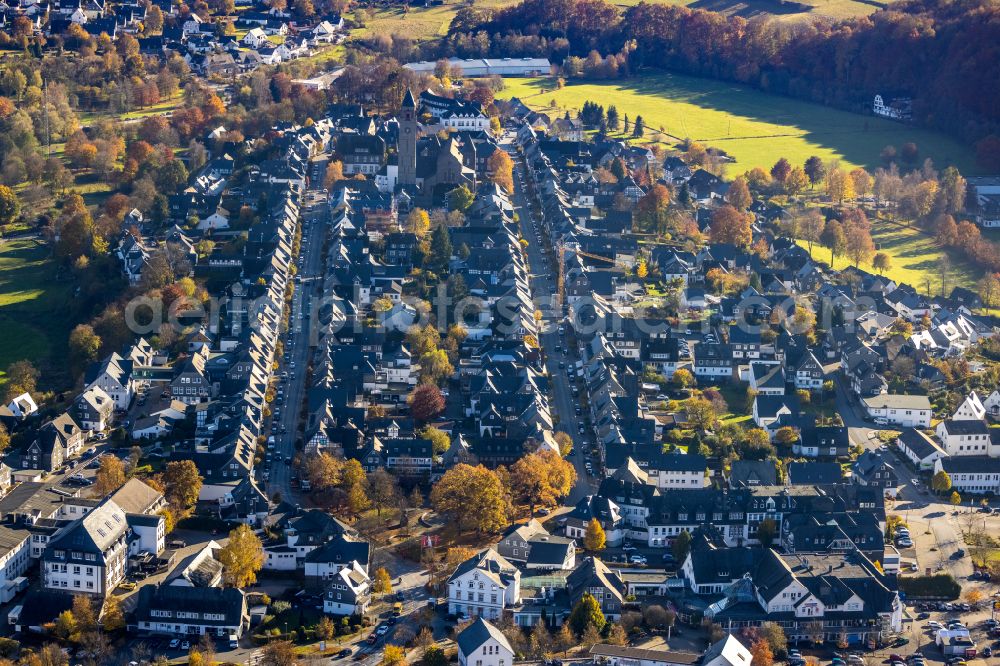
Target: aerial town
331 342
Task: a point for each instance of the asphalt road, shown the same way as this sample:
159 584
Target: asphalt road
297 340
543 283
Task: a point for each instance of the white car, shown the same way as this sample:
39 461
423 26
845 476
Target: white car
904 543
637 559
934 624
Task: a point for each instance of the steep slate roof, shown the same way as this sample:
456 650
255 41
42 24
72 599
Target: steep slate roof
477 633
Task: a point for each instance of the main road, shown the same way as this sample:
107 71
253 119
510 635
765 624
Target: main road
543 285
298 338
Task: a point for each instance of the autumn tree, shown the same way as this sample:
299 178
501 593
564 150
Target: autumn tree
652 211
858 243
10 207
815 170
839 186
761 653
796 181
881 262
564 441
941 482
862 182
810 227
683 378
242 557
731 226
738 196
84 344
500 168
384 490
780 170
182 485
541 478
701 412
334 174
426 401
440 442
381 581
473 497
278 653
594 539
110 475
393 655
833 239
418 222
112 616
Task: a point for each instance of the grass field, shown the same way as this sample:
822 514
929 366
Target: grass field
790 9
425 23
31 300
916 259
753 127
420 23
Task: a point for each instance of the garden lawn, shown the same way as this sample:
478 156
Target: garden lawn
753 127
31 300
917 259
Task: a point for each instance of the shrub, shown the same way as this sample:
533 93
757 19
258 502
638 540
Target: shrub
939 586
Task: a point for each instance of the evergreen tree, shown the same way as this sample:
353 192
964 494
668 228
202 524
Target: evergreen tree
640 128
613 118
440 254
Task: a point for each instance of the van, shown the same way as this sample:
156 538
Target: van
397 609
233 642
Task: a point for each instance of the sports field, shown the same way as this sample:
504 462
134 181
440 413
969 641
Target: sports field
753 127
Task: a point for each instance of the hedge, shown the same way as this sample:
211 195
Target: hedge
940 586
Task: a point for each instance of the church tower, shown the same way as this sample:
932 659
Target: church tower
406 144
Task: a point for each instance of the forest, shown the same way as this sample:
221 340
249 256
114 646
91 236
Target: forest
945 55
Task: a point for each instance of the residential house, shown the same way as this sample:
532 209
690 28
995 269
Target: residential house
90 555
913 411
483 586
482 644
920 449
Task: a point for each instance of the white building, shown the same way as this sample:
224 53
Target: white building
15 556
727 652
483 586
967 438
971 475
920 449
483 67
255 38
909 411
971 409
89 555
482 644
192 611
